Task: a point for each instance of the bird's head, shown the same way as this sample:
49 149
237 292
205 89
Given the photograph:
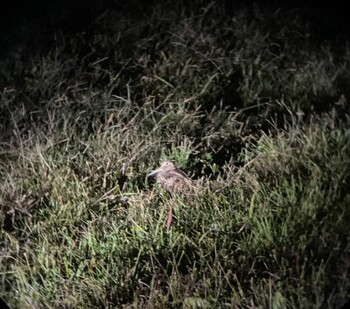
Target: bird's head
164 167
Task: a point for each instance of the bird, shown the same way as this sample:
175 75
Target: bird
173 180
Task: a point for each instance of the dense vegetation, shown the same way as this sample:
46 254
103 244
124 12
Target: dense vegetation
248 100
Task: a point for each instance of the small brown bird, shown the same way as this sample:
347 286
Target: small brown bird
173 180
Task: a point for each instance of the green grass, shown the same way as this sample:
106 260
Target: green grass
249 103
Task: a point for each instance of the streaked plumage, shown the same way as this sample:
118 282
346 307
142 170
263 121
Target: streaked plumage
173 180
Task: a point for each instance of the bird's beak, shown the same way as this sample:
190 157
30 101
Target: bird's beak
154 172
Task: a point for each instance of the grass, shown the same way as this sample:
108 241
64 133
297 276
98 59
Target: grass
248 102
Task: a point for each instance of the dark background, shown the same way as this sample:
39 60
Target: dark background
26 23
